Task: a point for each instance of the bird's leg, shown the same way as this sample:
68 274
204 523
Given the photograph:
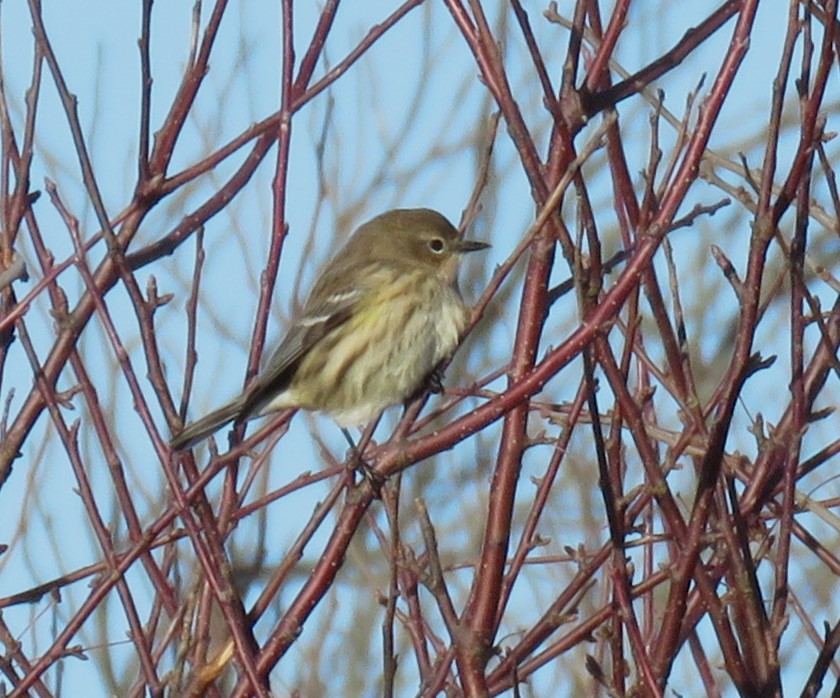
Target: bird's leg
359 464
434 381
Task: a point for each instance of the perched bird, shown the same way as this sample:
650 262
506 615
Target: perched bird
384 313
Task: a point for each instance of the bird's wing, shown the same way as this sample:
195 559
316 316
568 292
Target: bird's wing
317 321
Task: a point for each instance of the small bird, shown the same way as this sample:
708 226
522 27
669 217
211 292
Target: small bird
384 313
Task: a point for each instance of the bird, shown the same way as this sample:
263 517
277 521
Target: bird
384 313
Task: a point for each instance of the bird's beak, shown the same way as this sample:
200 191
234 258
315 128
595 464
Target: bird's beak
464 246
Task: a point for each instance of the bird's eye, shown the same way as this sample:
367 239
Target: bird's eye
436 245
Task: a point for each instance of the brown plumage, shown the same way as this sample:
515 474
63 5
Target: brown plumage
384 313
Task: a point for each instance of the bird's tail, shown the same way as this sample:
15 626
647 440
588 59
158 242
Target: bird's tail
202 428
